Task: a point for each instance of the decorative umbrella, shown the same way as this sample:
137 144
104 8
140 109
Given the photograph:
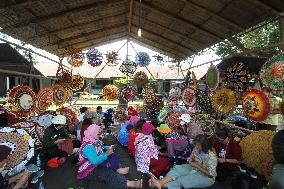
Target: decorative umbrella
60 95
110 92
22 98
64 77
112 58
22 146
189 97
128 67
237 77
256 105
272 73
128 93
175 93
142 59
173 120
157 103
140 79
148 94
71 118
224 101
212 77
75 57
77 82
94 57
44 99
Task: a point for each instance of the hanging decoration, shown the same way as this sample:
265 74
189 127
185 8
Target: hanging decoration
152 113
175 93
112 58
131 111
157 104
94 57
256 105
22 146
189 97
212 77
272 73
224 101
77 82
203 101
163 114
75 57
237 77
44 99
71 118
140 79
142 59
206 123
128 93
120 114
22 98
64 77
256 148
148 94
60 95
128 67
110 92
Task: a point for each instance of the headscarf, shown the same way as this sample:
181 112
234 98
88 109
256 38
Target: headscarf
134 120
91 134
147 129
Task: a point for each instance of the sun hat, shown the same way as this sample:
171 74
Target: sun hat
147 128
59 120
164 128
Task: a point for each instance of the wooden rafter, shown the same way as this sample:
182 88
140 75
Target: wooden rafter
96 5
170 15
11 4
130 16
264 5
77 26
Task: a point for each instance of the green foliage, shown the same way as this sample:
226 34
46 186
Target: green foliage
259 37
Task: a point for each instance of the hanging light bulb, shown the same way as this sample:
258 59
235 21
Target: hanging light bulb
139 33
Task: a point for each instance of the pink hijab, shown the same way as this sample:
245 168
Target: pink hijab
134 120
91 134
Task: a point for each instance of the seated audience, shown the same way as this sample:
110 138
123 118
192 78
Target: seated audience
16 182
98 162
229 154
200 172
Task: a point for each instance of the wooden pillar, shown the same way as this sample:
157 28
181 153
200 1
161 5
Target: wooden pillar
281 30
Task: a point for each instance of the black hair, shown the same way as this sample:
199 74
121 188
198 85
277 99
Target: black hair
222 133
139 124
83 110
99 108
87 121
278 147
155 123
205 141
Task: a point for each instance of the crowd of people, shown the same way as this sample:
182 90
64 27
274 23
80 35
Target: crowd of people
172 159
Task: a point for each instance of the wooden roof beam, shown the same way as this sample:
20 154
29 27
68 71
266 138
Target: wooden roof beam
94 22
170 15
157 46
130 16
264 5
97 5
10 4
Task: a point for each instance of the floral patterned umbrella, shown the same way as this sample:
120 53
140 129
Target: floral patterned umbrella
148 94
189 97
128 67
110 92
22 146
140 79
44 99
224 101
128 93
77 82
203 101
75 57
94 57
256 105
112 58
142 59
60 95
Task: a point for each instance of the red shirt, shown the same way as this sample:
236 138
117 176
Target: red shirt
231 151
131 146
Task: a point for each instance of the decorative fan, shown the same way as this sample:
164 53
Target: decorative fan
224 101
148 94
75 57
128 67
140 79
44 99
272 73
71 118
212 77
22 98
256 105
22 146
110 92
94 57
237 77
203 101
175 93
77 82
60 95
189 97
112 58
128 93
142 59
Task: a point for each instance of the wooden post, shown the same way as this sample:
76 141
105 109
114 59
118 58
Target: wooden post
281 30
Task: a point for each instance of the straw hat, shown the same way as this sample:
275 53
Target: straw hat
164 128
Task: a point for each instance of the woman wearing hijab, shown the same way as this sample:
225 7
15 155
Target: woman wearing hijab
98 162
133 133
145 148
